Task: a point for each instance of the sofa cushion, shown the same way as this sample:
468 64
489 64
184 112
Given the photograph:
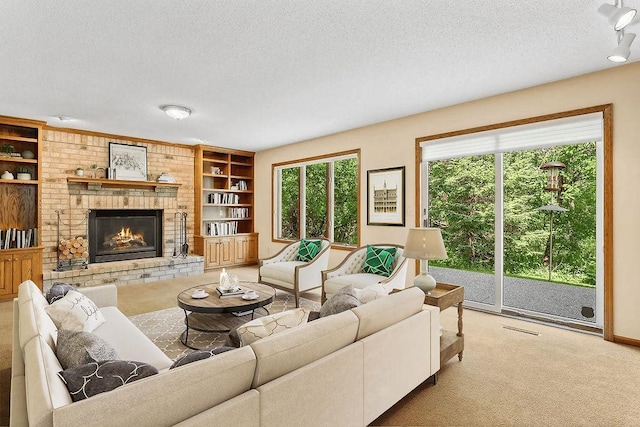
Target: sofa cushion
80 348
129 341
44 387
308 250
57 291
285 352
384 312
371 293
168 398
35 321
344 299
75 312
357 280
27 290
93 378
379 260
272 324
205 353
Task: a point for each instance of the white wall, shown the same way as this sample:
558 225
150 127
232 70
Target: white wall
392 143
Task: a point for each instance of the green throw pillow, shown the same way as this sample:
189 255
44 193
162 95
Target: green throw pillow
308 250
379 261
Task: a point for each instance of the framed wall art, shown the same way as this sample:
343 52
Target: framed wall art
128 162
385 196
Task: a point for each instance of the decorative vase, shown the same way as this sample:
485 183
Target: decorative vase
79 172
7 175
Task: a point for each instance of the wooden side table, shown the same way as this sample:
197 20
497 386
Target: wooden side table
444 296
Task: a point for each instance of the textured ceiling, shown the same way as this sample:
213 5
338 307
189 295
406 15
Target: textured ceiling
264 73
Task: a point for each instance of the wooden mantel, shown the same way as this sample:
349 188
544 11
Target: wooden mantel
94 183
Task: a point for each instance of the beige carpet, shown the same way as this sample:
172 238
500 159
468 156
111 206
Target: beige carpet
506 378
164 327
510 378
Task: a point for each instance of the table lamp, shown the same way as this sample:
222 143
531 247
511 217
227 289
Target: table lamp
424 244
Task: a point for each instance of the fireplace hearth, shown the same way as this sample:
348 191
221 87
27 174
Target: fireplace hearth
124 234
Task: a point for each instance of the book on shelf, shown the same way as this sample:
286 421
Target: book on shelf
223 199
14 238
222 228
222 293
239 212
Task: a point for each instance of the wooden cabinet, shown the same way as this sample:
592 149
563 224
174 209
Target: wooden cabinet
16 266
20 249
247 249
220 252
228 250
224 207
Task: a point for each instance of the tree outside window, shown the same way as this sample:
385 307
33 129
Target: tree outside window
318 199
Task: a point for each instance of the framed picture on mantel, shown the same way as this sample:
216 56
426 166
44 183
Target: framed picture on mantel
385 196
128 162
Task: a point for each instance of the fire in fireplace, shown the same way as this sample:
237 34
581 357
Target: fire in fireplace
125 240
122 234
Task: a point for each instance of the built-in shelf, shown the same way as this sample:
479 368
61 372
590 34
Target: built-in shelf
20 206
18 160
119 183
219 172
223 190
20 181
18 138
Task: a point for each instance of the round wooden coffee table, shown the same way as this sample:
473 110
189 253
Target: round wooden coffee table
194 308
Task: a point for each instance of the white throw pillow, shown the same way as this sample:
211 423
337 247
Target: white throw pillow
75 312
272 324
372 292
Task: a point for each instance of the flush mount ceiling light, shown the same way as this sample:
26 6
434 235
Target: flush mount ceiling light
618 15
176 111
622 52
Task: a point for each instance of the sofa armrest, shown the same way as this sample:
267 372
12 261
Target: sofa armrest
102 296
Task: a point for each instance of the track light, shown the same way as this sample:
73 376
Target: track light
622 52
176 111
619 17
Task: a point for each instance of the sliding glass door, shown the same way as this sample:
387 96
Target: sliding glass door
461 201
521 217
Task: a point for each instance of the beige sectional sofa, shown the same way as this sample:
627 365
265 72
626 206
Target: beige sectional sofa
345 369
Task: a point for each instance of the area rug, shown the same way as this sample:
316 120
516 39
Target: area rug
164 327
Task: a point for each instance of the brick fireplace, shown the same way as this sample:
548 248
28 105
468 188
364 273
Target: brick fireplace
63 152
124 234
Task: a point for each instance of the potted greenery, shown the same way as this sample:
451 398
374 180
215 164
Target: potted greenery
23 174
79 171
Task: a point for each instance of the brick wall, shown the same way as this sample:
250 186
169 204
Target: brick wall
64 151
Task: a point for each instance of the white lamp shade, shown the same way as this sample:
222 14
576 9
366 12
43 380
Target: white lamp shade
622 52
619 17
176 111
424 243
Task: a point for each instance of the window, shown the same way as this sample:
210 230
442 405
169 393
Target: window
318 198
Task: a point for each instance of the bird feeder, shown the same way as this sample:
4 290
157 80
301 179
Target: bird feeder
554 180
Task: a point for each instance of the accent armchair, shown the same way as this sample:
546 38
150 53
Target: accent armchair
348 272
283 271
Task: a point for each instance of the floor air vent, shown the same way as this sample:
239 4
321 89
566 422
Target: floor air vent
524 331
